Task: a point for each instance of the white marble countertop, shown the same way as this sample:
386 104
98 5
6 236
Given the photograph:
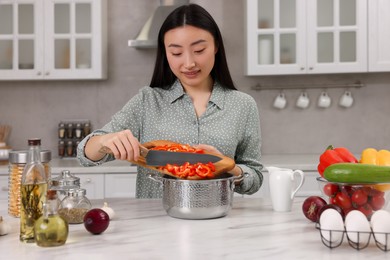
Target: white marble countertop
305 162
143 230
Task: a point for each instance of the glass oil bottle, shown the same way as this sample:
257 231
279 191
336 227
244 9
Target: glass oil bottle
51 229
33 192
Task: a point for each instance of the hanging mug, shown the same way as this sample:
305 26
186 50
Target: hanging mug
324 100
346 99
280 101
303 100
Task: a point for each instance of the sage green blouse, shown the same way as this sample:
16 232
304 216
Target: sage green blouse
230 123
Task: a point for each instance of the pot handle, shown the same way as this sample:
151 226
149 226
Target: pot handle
155 177
236 180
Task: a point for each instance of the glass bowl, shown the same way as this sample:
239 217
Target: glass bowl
366 198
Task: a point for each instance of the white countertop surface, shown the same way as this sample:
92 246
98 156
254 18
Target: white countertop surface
143 230
305 162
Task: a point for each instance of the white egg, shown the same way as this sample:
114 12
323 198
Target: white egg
332 226
380 223
357 227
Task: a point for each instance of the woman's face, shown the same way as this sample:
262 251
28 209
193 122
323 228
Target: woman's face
191 55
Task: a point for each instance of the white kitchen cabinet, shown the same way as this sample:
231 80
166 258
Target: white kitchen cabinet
120 185
306 36
51 40
93 183
379 35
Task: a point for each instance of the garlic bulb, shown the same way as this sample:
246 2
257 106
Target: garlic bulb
108 210
5 228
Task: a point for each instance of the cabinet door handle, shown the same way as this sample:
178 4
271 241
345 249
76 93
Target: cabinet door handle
39 73
47 73
88 180
4 188
302 68
310 68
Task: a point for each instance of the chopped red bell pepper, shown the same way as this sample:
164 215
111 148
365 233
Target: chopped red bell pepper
335 155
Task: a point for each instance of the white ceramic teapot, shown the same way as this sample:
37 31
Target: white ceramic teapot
282 187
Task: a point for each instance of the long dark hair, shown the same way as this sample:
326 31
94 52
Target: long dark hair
196 16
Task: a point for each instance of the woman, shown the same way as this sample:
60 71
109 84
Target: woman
191 100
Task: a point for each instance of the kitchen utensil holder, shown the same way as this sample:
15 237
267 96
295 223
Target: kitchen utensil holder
357 246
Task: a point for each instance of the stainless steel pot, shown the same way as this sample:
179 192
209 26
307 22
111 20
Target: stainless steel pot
197 199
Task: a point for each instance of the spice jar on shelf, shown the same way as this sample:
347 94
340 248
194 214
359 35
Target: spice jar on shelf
87 129
61 148
78 131
74 206
61 131
69 148
69 130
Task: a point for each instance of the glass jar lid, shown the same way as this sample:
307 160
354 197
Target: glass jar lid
65 181
21 156
77 192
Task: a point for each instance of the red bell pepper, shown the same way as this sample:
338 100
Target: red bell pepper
203 170
335 155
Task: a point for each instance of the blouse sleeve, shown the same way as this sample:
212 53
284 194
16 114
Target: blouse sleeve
248 153
129 117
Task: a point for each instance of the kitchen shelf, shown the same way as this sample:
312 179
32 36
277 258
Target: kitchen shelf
259 87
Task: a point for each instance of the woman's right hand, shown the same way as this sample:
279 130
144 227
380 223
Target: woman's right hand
123 145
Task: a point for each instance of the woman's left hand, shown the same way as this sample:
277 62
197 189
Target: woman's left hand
237 171
207 148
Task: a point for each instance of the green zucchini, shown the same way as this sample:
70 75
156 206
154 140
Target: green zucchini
357 173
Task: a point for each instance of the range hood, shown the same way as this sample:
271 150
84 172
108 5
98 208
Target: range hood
147 37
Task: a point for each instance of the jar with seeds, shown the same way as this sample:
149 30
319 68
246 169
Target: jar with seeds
74 206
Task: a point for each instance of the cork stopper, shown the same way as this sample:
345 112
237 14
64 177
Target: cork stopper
34 141
51 194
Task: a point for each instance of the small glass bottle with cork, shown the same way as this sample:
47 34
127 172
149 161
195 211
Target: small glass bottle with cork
51 229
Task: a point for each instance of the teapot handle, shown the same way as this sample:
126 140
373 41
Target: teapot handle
302 175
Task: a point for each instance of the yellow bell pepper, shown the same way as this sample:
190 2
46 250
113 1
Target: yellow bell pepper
381 157
372 156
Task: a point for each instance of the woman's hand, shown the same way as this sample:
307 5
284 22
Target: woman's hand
237 171
207 148
123 145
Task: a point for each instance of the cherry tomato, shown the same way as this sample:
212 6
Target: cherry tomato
375 192
358 198
377 202
332 200
367 190
331 189
343 200
366 209
347 189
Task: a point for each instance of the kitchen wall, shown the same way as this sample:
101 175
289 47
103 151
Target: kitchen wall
34 108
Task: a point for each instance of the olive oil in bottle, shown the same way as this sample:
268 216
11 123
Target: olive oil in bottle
33 192
51 229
